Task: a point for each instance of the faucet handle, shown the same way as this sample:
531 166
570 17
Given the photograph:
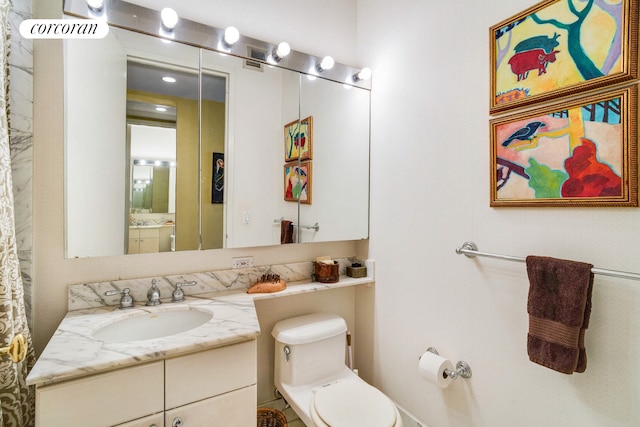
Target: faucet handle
126 301
178 293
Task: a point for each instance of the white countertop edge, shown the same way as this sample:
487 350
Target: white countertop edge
72 352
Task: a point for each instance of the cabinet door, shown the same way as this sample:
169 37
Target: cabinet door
104 399
236 408
156 420
134 246
149 240
149 245
206 374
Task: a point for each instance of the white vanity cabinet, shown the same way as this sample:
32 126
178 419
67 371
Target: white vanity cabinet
222 382
214 387
104 399
144 240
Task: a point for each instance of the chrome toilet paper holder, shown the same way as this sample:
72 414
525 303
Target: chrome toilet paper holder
462 368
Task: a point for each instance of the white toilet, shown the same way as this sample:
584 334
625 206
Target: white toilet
311 375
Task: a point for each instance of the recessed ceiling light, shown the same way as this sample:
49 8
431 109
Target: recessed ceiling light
168 79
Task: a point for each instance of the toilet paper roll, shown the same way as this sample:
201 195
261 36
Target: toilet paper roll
432 367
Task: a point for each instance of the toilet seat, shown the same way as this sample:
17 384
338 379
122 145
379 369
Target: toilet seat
352 404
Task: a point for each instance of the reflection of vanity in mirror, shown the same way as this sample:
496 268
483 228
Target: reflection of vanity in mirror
138 179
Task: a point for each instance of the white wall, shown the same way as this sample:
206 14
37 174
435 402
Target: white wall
430 193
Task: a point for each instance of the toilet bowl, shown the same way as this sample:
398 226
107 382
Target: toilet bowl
310 373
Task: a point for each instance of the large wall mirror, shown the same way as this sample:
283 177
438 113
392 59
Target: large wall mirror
172 147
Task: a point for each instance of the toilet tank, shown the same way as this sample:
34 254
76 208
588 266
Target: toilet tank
309 348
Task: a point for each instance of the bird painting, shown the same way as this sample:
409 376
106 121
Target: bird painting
524 134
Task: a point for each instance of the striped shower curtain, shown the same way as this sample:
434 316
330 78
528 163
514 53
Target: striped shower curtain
16 352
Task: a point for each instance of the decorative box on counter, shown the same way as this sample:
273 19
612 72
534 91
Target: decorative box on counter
327 272
357 270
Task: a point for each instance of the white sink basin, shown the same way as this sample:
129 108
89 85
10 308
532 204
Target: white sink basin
149 325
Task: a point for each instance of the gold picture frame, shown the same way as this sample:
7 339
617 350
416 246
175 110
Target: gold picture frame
298 182
562 47
582 152
298 140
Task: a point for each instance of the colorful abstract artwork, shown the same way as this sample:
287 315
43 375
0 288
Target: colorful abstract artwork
561 47
582 153
298 140
297 182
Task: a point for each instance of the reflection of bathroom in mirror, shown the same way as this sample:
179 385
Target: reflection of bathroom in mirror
220 106
169 121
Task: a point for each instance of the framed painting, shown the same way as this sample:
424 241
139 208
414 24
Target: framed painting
578 153
562 47
297 182
217 184
298 140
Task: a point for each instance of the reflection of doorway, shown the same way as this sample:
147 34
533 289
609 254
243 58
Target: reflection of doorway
153 163
199 123
151 188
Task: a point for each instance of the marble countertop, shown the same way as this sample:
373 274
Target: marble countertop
72 352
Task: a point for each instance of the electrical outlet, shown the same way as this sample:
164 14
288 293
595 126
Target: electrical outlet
242 262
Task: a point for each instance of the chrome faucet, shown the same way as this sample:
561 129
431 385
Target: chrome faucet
126 301
153 294
178 293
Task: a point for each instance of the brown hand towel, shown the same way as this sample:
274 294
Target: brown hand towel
559 307
286 231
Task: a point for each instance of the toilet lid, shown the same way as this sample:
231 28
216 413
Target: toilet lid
354 404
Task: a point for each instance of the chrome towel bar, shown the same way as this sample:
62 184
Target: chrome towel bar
470 250
315 226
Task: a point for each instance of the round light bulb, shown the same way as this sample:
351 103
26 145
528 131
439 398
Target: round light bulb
364 74
231 35
327 63
283 50
169 18
95 4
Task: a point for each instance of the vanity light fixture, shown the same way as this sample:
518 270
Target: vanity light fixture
169 19
326 64
281 51
168 79
95 5
143 162
231 35
364 74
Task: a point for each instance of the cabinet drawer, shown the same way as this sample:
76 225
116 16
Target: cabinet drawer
102 400
149 232
156 420
209 373
236 408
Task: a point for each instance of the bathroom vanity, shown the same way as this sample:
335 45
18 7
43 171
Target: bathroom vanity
214 387
164 377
